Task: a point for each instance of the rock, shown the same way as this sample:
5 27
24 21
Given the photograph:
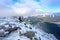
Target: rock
13 27
1 26
2 33
35 39
7 27
6 32
30 27
29 34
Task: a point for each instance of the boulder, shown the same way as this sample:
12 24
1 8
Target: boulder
2 33
13 27
29 34
1 26
7 27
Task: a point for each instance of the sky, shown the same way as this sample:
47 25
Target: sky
28 7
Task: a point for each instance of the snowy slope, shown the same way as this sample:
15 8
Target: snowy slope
24 31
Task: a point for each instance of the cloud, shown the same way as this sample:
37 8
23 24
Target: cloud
5 10
26 7
19 7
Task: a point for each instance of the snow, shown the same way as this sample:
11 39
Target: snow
12 36
2 31
22 29
24 38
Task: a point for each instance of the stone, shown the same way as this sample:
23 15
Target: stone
29 34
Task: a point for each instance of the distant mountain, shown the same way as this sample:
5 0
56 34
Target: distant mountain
57 14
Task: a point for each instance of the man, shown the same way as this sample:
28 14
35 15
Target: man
20 19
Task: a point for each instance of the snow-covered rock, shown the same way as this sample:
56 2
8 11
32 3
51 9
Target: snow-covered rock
34 33
24 31
2 32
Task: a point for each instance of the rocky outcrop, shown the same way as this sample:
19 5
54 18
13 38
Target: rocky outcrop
24 31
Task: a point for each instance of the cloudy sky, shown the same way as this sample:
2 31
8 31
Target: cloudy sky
28 7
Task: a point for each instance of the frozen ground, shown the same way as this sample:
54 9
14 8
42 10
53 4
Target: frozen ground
24 31
12 36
